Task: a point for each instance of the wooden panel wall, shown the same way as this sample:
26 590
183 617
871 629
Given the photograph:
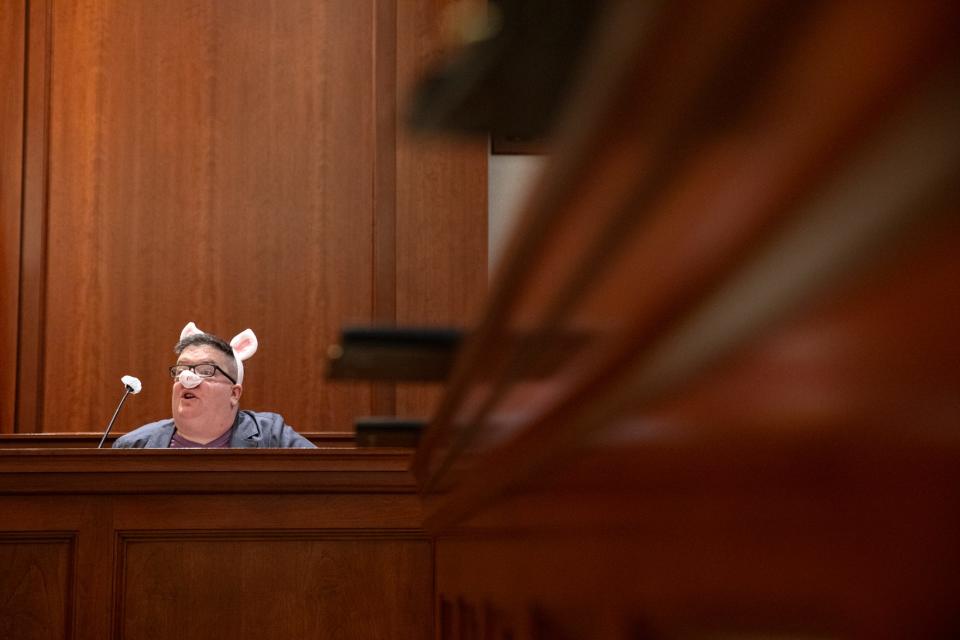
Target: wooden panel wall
232 164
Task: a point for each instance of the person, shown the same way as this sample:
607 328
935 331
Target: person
207 385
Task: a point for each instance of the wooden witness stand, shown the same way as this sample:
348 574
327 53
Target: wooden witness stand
211 544
750 220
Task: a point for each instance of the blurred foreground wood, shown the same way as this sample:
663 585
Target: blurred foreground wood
751 216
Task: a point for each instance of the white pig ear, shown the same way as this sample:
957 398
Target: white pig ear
189 330
244 344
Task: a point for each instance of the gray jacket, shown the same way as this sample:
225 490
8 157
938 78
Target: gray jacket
252 430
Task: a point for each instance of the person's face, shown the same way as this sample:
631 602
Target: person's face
214 401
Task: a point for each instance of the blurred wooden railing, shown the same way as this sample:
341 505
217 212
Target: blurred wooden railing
751 218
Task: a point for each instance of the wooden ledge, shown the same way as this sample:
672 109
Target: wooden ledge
90 439
32 471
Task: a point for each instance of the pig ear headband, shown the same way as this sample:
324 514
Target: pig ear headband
244 345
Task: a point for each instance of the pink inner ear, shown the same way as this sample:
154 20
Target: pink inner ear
245 344
189 330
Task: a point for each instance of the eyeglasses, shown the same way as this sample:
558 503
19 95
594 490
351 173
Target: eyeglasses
204 370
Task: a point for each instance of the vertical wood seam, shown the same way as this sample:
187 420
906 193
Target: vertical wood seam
24 133
13 222
34 212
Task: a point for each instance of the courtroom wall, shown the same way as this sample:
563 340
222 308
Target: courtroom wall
235 164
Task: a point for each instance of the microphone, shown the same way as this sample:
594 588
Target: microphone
130 385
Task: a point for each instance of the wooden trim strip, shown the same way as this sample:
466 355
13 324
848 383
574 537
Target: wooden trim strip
185 535
199 460
29 411
13 56
149 471
89 440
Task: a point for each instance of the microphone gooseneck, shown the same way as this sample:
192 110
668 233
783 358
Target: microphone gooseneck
130 385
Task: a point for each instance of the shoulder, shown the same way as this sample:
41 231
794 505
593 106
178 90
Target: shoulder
259 423
149 435
265 419
268 429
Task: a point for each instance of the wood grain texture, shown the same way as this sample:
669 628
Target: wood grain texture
36 583
13 30
722 564
441 209
383 401
214 164
256 544
337 470
88 522
758 534
238 167
294 587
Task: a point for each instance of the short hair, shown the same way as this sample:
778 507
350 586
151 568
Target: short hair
210 340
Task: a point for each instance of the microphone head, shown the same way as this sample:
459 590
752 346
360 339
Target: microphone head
132 384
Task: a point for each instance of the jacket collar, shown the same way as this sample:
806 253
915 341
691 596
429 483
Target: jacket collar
246 432
161 439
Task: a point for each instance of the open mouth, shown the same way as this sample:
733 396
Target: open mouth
187 395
